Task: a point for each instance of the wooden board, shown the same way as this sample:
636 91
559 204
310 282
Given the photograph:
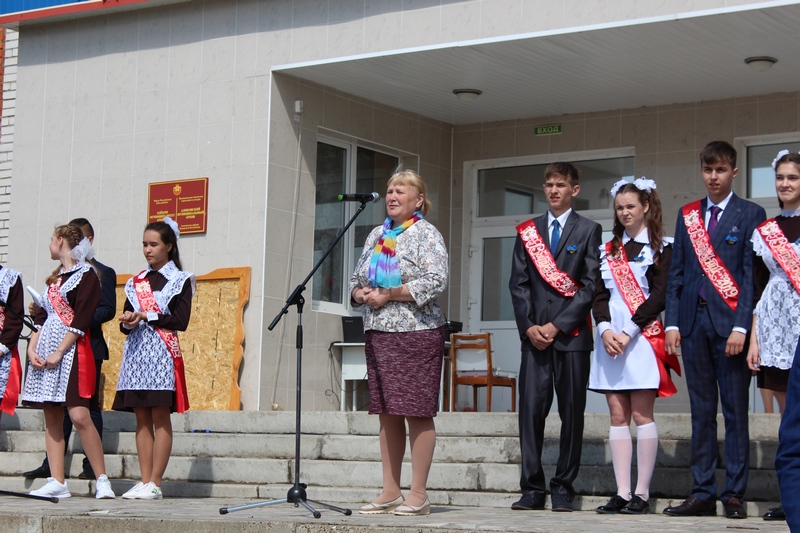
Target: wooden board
212 344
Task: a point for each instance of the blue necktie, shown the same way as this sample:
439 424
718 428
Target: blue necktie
554 237
712 225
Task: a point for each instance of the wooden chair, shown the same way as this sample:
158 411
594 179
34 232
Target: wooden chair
471 364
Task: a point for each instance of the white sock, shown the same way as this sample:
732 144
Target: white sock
619 440
646 451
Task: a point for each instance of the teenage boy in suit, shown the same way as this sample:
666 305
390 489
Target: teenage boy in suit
553 274
105 311
709 314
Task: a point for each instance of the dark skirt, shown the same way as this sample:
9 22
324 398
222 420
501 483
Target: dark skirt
128 400
772 378
73 398
404 371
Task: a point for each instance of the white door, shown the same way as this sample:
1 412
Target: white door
489 309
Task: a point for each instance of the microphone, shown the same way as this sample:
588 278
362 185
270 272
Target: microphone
362 197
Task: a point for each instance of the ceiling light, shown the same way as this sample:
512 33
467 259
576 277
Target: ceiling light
467 95
760 63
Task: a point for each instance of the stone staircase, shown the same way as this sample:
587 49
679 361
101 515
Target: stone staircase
250 455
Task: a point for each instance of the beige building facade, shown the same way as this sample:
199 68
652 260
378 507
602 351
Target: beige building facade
246 92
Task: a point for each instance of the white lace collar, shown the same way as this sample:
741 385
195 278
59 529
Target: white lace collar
790 214
642 238
168 270
73 268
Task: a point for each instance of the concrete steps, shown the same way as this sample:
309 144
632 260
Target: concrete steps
251 455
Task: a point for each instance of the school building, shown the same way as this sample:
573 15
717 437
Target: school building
284 104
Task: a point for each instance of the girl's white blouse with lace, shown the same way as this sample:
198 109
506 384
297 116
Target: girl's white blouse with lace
779 304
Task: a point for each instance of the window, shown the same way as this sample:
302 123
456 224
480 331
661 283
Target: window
760 174
345 167
518 190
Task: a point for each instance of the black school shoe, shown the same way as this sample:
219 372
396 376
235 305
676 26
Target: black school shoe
41 472
636 506
614 505
561 503
530 501
776 514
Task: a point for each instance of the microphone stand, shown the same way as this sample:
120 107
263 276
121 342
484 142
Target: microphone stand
32 327
297 494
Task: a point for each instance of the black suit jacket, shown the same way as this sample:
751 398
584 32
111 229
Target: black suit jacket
105 310
537 303
731 241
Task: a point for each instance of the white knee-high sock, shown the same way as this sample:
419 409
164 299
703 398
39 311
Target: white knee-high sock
619 440
646 451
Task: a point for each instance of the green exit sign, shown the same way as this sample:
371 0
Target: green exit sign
552 129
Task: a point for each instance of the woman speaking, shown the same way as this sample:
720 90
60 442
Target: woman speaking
397 280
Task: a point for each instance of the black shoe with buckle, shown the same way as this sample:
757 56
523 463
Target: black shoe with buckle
40 472
637 505
776 513
613 506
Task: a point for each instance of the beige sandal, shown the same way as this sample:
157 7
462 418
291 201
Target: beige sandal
382 508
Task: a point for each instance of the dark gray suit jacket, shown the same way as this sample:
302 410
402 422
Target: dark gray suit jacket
537 303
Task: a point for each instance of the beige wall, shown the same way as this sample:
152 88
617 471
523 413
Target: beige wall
107 104
666 140
326 111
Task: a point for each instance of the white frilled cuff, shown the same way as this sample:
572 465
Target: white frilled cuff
152 317
631 329
4 349
602 327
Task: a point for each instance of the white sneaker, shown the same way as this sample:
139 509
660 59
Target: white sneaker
149 492
102 489
52 489
131 494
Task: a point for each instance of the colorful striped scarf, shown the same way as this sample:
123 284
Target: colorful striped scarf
383 268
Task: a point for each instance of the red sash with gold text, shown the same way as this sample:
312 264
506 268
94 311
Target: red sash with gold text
546 265
147 301
9 400
782 250
633 296
712 265
87 372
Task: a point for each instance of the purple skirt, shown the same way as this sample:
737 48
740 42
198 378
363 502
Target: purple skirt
404 371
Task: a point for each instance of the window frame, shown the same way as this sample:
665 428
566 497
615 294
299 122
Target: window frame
742 183
351 145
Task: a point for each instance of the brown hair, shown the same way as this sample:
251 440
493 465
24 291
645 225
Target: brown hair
409 177
652 220
567 170
72 235
718 151
84 225
168 238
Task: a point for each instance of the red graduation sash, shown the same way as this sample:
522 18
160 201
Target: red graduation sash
10 397
544 262
87 372
633 296
147 301
712 265
546 265
782 250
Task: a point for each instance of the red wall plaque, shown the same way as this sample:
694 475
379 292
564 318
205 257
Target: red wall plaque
185 201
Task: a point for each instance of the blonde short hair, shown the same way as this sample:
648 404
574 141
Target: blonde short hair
409 177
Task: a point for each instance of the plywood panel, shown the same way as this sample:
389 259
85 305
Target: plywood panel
211 346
